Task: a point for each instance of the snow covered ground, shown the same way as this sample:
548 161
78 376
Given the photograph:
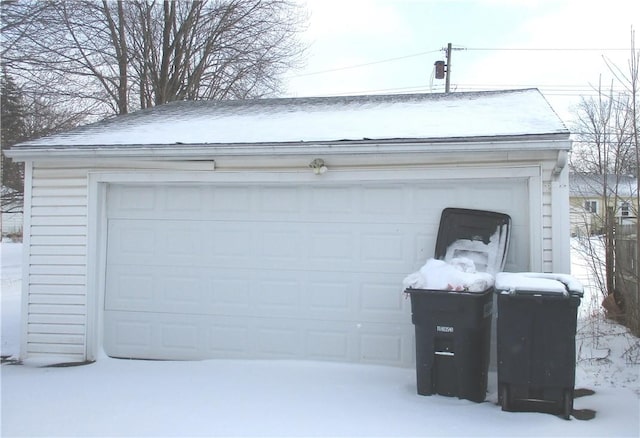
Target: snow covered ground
289 398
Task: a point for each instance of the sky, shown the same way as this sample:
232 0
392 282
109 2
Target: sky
390 46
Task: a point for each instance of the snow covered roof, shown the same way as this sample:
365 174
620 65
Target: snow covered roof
588 185
320 120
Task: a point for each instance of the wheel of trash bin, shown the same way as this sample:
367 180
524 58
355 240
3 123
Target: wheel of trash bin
504 397
567 404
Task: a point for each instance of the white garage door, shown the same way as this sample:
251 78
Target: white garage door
278 271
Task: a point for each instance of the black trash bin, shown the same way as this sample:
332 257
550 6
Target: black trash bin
536 329
453 329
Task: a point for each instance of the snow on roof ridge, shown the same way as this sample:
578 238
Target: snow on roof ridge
359 97
321 119
192 106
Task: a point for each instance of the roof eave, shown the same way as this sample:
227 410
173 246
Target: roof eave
550 141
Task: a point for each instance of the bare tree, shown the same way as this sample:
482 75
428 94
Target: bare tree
603 150
12 130
118 56
605 162
24 118
628 271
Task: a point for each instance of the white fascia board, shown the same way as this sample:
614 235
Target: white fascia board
207 152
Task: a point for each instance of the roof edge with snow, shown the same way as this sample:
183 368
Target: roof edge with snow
363 122
398 146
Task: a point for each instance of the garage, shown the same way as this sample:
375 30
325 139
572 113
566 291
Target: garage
305 271
276 228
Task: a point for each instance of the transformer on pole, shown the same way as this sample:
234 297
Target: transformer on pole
443 70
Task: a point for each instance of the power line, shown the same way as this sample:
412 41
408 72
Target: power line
398 90
549 88
552 89
348 67
555 91
525 85
414 55
548 49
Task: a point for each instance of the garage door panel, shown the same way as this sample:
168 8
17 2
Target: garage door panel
368 248
150 289
226 245
380 347
182 199
279 245
332 246
180 241
283 342
337 202
131 239
181 291
328 344
330 296
131 201
141 242
228 339
152 336
284 293
422 246
178 337
279 199
382 299
277 295
229 293
383 249
275 271
389 200
128 335
230 200
185 337
388 248
428 200
130 288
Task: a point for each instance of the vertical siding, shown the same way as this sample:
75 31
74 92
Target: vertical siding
547 217
56 292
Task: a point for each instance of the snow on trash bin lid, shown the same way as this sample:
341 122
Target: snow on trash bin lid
545 283
480 235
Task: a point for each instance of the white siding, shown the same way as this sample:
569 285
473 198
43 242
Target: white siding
56 300
547 217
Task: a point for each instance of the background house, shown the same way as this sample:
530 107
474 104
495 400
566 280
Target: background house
607 207
11 217
275 228
591 194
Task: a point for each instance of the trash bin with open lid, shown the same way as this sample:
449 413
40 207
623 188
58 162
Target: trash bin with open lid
453 328
536 329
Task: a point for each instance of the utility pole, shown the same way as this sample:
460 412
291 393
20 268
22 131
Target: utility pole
447 84
443 68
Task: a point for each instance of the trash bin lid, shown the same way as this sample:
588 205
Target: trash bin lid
538 282
480 235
